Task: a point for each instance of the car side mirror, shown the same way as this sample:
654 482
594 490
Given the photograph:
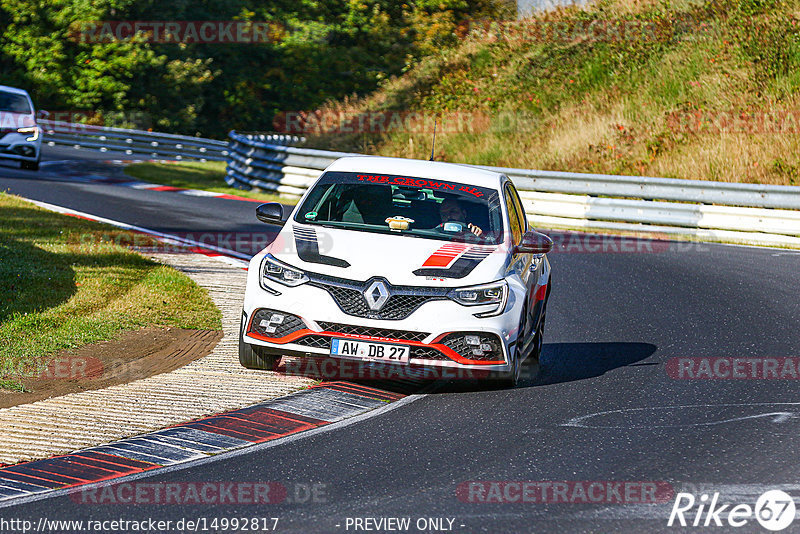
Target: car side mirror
42 114
270 213
534 243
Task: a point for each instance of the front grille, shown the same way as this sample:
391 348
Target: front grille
402 302
488 346
318 342
416 353
426 353
275 324
455 341
404 335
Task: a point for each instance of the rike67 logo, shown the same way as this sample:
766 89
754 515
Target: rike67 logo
774 510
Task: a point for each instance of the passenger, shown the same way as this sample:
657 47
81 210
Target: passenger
369 204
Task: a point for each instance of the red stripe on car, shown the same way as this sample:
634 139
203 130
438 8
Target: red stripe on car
445 255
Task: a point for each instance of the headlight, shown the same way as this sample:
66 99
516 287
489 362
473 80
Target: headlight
279 272
493 293
31 130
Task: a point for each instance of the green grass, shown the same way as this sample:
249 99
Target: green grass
65 282
604 105
203 175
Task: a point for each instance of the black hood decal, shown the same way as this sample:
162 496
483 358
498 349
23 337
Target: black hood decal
308 248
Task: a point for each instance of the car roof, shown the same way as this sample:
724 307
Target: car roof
9 89
418 168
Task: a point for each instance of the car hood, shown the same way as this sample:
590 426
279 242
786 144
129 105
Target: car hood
401 260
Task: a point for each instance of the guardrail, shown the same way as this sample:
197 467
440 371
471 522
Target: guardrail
153 144
740 213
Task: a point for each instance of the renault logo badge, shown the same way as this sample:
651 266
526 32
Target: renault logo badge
376 295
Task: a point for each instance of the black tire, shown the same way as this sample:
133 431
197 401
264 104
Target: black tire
256 357
531 366
30 165
510 379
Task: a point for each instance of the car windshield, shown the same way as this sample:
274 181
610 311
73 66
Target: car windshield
14 103
416 207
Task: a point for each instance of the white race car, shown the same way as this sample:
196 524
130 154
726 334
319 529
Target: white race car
401 262
20 135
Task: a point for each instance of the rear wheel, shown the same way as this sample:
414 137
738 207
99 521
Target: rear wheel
532 368
254 356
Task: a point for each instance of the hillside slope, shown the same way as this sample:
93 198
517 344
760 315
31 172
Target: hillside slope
675 89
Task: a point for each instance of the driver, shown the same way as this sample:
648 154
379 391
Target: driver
450 210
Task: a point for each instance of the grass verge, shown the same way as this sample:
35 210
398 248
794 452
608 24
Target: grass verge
64 283
680 89
203 175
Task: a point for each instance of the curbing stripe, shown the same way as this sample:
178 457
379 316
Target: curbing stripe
326 404
203 438
66 466
298 412
8 476
248 437
256 432
130 465
164 453
131 453
30 471
10 493
23 486
364 391
188 445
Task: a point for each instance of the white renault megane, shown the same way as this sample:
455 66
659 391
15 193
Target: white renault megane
405 262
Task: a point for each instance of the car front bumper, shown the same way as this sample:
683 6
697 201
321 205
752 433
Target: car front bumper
435 332
16 146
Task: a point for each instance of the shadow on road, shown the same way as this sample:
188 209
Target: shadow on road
566 362
560 362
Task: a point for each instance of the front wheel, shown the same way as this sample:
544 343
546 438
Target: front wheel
30 165
254 356
510 379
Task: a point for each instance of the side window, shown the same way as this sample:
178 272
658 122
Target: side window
513 215
520 207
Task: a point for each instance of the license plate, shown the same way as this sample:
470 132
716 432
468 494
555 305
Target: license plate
363 350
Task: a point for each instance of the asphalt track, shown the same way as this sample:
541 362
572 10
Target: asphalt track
605 408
